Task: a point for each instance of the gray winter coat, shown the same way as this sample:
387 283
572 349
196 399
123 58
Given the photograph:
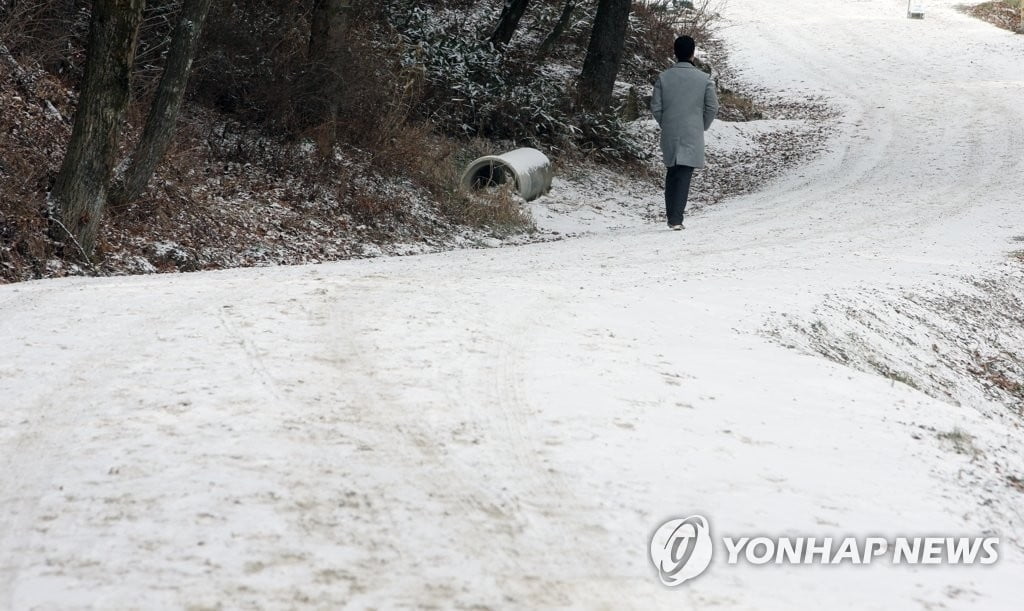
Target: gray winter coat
684 104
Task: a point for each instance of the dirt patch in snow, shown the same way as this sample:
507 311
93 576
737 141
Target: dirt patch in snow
999 14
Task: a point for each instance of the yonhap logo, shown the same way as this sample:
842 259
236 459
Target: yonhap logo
681 549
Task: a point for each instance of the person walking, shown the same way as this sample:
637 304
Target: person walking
684 104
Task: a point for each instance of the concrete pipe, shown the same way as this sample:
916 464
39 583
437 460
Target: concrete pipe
530 169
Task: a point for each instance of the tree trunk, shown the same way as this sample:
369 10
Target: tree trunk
326 53
80 190
604 54
508 22
559 30
159 130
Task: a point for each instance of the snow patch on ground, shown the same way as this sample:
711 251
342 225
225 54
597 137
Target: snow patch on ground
742 157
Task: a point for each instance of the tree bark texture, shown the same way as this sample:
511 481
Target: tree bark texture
326 52
604 54
80 190
512 12
159 131
559 30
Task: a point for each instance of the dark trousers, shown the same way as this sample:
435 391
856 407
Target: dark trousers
677 191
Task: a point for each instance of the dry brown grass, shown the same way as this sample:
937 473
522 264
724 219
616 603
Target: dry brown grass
32 137
962 442
738 107
999 373
498 210
1004 14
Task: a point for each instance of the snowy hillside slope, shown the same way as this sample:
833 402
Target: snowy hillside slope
505 428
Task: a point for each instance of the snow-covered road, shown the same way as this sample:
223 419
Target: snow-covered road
505 428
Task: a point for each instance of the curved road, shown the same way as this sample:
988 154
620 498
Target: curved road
505 428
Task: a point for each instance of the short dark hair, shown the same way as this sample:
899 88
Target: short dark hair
685 46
